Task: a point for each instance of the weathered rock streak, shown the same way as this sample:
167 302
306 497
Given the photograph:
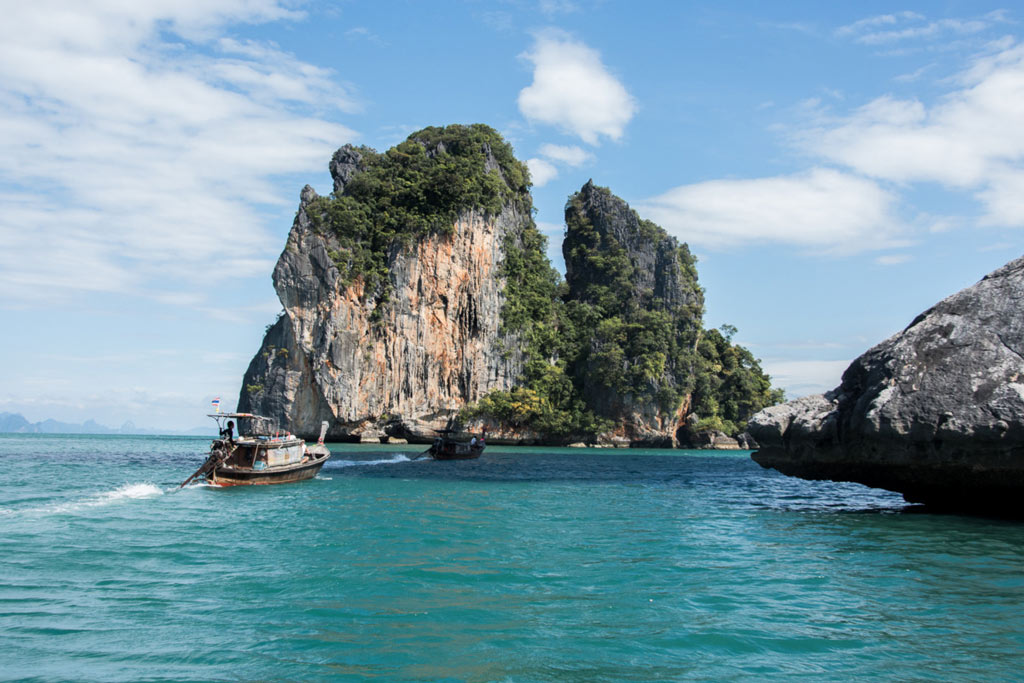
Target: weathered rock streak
402 368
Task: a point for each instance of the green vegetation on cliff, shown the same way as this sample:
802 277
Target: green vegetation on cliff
548 401
623 334
730 385
417 187
632 337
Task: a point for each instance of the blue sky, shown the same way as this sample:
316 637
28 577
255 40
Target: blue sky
836 167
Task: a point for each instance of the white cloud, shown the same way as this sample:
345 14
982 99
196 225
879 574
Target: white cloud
365 34
821 209
913 75
130 157
1004 198
871 23
551 229
805 377
541 172
555 233
573 90
970 140
569 155
554 7
892 259
909 26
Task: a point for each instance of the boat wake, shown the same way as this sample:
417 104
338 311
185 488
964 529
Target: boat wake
144 490
363 463
121 493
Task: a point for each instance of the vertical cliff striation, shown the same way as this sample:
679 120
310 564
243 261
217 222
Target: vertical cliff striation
393 289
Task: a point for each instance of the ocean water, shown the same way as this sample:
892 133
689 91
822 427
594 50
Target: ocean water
529 564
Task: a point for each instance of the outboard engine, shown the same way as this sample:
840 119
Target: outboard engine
319 449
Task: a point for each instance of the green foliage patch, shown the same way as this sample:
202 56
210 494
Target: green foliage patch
547 400
418 187
730 384
604 337
602 341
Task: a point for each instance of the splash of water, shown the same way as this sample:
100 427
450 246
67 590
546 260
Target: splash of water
143 490
121 493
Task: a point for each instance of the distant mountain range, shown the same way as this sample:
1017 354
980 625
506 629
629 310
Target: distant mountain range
17 424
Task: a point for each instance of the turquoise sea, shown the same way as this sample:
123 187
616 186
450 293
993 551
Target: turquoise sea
530 564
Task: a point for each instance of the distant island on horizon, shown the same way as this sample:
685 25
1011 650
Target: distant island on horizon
16 423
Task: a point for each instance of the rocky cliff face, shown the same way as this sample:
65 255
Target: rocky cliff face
936 412
398 356
640 286
420 290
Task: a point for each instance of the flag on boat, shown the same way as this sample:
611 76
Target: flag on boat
216 404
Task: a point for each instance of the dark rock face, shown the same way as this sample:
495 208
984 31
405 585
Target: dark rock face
625 268
653 254
935 412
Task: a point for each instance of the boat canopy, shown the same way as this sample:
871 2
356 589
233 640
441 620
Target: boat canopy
248 423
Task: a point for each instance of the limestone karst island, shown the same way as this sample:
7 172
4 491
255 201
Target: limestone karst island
418 294
420 291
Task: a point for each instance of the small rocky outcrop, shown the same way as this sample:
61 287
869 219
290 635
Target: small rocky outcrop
935 412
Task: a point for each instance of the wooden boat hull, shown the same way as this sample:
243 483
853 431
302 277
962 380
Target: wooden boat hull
453 451
233 476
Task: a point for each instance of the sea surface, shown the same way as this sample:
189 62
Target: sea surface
530 564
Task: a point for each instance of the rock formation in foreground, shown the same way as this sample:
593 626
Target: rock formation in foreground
935 412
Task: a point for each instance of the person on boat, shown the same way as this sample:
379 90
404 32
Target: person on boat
472 442
228 432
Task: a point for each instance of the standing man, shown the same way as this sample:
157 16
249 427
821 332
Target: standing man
227 432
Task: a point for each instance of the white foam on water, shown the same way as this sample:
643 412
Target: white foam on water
359 463
121 493
144 490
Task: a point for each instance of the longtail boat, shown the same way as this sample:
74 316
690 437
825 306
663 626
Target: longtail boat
260 454
447 448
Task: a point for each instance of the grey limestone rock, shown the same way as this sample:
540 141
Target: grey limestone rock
401 369
345 163
935 412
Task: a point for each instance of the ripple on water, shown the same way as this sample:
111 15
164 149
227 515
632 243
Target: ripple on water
527 564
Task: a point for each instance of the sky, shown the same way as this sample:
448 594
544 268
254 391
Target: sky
837 168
